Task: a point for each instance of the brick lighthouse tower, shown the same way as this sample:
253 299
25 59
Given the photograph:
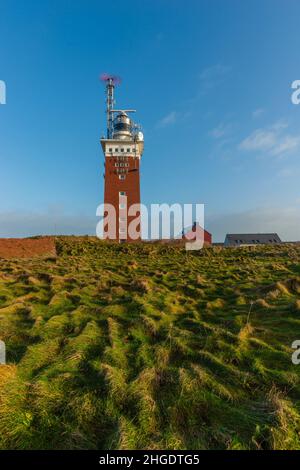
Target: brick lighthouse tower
122 148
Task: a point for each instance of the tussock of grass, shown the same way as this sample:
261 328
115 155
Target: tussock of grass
146 346
246 332
262 303
297 305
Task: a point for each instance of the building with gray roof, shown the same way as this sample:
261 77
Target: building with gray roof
244 239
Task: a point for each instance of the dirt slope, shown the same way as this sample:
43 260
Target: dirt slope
27 247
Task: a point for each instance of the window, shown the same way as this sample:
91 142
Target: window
121 177
110 149
116 164
116 150
128 150
122 193
122 206
122 150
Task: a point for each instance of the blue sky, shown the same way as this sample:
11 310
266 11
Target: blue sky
211 81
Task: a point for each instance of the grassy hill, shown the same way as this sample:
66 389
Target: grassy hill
149 346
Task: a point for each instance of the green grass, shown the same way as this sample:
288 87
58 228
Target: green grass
147 346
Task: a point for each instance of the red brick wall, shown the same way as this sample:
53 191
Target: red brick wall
131 185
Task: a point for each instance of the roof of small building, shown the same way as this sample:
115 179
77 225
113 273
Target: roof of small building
253 238
192 228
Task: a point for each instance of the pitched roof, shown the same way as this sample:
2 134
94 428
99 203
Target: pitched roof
252 238
193 228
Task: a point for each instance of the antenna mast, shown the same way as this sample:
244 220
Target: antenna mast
109 106
111 81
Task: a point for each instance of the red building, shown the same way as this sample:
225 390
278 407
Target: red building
123 148
197 232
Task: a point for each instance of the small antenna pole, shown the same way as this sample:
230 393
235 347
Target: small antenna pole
109 106
111 81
